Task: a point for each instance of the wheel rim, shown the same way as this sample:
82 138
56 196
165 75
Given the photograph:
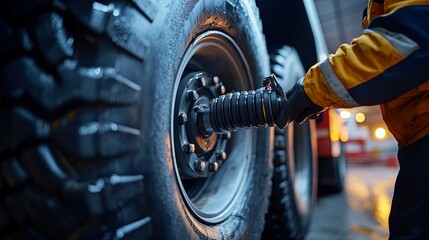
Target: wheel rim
210 195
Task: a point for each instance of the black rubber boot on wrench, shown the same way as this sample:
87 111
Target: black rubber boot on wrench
242 110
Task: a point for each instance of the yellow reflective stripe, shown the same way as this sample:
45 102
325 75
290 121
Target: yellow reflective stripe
318 90
393 5
363 59
335 84
399 41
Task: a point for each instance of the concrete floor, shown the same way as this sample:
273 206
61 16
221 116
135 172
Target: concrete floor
361 212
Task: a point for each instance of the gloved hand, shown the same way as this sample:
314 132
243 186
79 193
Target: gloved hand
297 107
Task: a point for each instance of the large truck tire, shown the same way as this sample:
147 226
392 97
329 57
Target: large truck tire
94 143
294 183
332 173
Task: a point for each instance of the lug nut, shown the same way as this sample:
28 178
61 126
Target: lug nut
189 148
183 118
213 167
199 165
193 95
221 155
221 89
216 80
202 82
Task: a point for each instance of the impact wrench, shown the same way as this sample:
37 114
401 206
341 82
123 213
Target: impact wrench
243 110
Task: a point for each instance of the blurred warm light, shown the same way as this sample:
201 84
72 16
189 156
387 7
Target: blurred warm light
345 114
334 135
380 133
360 117
344 135
382 208
335 124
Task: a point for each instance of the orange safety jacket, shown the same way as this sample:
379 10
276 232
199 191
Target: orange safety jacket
388 65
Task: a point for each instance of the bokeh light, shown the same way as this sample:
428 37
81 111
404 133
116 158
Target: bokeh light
345 114
360 117
380 133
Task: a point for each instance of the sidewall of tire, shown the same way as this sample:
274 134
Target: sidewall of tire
180 23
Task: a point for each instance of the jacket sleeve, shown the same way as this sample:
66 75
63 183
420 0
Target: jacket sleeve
390 58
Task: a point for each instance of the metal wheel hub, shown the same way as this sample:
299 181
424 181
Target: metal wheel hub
211 185
203 153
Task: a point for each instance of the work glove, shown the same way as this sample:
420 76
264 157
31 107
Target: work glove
297 107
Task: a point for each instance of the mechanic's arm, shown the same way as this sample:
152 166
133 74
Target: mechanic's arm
387 60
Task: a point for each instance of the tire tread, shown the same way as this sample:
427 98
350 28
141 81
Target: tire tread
59 142
281 219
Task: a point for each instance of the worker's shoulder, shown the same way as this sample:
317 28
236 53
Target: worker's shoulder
391 6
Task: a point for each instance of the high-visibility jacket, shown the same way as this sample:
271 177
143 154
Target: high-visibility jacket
388 65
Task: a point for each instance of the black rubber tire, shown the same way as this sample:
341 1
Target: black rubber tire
85 109
290 211
332 173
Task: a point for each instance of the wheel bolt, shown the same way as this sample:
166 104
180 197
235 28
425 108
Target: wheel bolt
193 95
216 80
202 82
183 118
189 148
199 165
222 89
221 155
213 167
